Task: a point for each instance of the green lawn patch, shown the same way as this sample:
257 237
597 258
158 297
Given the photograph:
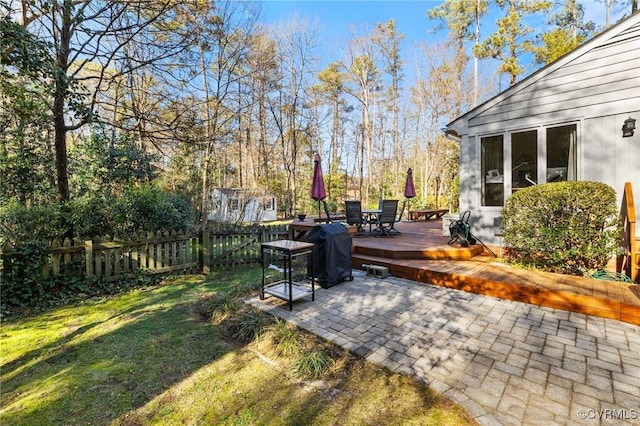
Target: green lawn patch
158 356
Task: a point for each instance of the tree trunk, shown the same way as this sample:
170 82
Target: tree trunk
61 150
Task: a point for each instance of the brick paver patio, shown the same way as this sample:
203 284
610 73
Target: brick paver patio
504 362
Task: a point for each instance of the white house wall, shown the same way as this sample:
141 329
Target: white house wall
597 89
251 208
588 86
470 176
611 159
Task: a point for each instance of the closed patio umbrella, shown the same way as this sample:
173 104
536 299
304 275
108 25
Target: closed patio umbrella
318 192
409 188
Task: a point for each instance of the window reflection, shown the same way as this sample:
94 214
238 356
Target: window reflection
524 159
492 171
561 153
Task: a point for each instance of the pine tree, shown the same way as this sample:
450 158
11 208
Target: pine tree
570 30
462 17
512 38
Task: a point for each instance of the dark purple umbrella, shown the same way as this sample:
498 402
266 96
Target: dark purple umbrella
409 189
317 185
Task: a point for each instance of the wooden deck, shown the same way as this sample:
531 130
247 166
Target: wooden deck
421 253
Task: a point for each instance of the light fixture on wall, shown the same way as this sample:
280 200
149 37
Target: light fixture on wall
452 135
628 127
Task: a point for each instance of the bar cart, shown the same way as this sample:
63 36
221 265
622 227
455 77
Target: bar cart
287 289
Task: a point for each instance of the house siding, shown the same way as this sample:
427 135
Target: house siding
610 160
597 87
601 82
240 205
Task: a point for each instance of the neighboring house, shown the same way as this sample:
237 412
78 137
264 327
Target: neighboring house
564 122
242 205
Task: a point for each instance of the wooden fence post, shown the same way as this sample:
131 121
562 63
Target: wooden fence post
66 258
203 252
88 252
56 258
206 242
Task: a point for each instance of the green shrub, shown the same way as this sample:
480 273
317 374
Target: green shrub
140 209
20 224
22 279
567 227
284 337
249 325
148 208
246 288
313 365
221 306
90 215
144 208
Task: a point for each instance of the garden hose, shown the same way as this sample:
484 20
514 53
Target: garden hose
611 276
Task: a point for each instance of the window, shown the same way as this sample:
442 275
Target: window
234 204
268 204
524 159
492 170
561 153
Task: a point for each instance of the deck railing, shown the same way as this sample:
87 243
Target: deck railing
629 261
112 259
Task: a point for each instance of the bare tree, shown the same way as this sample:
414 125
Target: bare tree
462 18
331 89
224 36
263 76
363 74
295 42
438 99
87 38
388 40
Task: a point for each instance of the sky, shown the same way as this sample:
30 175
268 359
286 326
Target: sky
336 20
335 16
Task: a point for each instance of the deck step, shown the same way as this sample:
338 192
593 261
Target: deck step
430 253
606 299
404 257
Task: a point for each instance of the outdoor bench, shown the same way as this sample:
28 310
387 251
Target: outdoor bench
427 213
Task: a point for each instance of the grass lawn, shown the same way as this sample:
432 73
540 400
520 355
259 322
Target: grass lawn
151 356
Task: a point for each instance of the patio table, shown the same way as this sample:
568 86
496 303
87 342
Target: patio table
371 215
299 228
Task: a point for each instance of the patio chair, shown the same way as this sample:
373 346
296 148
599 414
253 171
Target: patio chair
326 211
328 218
387 218
353 209
392 229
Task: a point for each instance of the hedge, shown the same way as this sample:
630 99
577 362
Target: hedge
567 227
